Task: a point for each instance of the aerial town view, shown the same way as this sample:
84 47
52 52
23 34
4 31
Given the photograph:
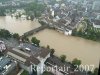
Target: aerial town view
49 37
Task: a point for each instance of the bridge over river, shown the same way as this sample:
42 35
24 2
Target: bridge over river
34 31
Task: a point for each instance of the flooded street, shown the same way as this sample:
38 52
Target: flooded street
17 25
73 47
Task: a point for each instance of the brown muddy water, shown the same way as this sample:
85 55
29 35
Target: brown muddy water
73 47
17 25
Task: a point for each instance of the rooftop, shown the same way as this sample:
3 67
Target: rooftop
68 67
33 50
3 62
29 56
96 21
20 56
6 65
2 46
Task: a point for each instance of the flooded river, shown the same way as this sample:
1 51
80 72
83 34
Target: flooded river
17 25
73 47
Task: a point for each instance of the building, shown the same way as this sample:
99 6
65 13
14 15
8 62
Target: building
98 16
61 68
68 32
96 6
6 65
40 1
2 46
76 1
30 58
96 23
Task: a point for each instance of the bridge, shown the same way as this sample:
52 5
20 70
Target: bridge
34 31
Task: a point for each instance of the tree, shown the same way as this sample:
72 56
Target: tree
5 33
95 71
48 47
35 41
99 69
52 52
16 36
89 73
76 62
32 17
63 58
25 39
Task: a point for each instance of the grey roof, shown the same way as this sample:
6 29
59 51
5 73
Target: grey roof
28 57
35 51
97 22
33 48
96 5
3 62
23 58
57 62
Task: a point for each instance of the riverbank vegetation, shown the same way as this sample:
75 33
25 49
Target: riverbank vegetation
25 39
90 32
63 58
6 34
16 35
76 62
52 51
35 41
95 72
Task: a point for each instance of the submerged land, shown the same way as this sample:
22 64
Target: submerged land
50 33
